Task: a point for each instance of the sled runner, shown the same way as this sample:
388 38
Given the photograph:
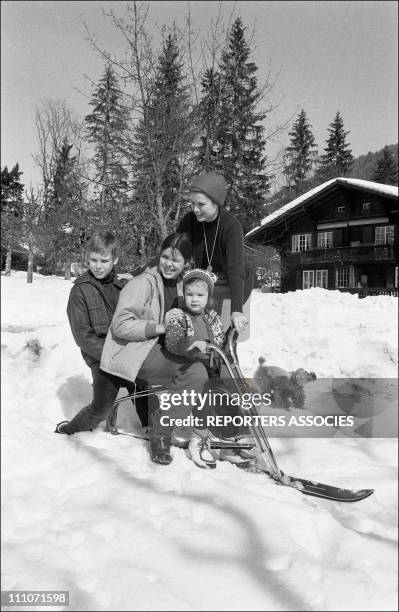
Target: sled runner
265 459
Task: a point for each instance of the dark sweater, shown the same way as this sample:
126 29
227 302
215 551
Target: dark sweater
170 294
109 289
228 255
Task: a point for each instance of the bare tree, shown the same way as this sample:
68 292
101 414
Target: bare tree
55 124
33 230
59 131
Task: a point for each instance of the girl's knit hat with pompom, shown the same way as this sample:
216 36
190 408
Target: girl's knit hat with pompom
203 275
212 185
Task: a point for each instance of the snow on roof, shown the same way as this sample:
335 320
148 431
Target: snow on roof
367 185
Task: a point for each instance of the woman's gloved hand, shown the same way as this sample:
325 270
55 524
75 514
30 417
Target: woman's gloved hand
171 313
238 320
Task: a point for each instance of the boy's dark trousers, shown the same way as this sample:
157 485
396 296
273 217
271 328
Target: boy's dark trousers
105 390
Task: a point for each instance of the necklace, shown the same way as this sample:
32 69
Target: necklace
209 268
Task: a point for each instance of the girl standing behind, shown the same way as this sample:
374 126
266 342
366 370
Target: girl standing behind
218 247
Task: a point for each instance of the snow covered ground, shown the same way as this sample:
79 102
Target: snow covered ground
93 515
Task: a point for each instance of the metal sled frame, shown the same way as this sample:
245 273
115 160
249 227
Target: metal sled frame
265 454
111 423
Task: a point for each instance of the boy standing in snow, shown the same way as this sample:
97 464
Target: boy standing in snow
188 333
91 306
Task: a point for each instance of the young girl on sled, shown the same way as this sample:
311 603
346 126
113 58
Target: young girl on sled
188 333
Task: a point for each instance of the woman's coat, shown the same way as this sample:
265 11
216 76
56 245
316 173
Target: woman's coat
132 332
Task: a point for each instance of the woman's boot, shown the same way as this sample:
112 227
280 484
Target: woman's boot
160 449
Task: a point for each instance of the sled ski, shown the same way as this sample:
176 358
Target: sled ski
318 489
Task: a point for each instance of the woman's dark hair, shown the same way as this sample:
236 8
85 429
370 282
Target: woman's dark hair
181 242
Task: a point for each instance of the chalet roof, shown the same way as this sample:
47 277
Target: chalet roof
368 186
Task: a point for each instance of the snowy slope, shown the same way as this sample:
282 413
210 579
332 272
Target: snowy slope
93 515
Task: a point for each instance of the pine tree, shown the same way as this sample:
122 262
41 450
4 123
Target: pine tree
300 154
64 213
233 141
338 158
105 128
386 169
171 104
209 111
163 145
11 211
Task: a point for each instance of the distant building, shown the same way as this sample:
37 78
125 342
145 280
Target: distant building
341 235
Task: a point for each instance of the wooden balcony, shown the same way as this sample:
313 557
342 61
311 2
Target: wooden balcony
345 254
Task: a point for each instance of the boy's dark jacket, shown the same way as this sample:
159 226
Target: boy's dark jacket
90 315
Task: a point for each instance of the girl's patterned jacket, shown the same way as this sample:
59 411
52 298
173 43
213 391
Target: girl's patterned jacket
180 333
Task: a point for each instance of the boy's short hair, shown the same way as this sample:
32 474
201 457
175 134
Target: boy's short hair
102 240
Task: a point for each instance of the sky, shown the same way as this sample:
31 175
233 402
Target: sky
324 57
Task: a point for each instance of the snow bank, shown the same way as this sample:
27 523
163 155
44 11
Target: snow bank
93 515
333 333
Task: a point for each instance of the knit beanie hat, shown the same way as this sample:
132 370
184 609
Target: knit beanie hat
198 274
212 185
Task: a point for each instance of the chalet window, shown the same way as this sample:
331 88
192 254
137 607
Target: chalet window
344 277
322 278
341 209
384 234
301 242
325 240
307 279
366 205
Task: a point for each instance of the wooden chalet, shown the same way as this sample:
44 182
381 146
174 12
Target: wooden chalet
341 235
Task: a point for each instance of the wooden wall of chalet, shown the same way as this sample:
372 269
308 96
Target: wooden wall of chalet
324 209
